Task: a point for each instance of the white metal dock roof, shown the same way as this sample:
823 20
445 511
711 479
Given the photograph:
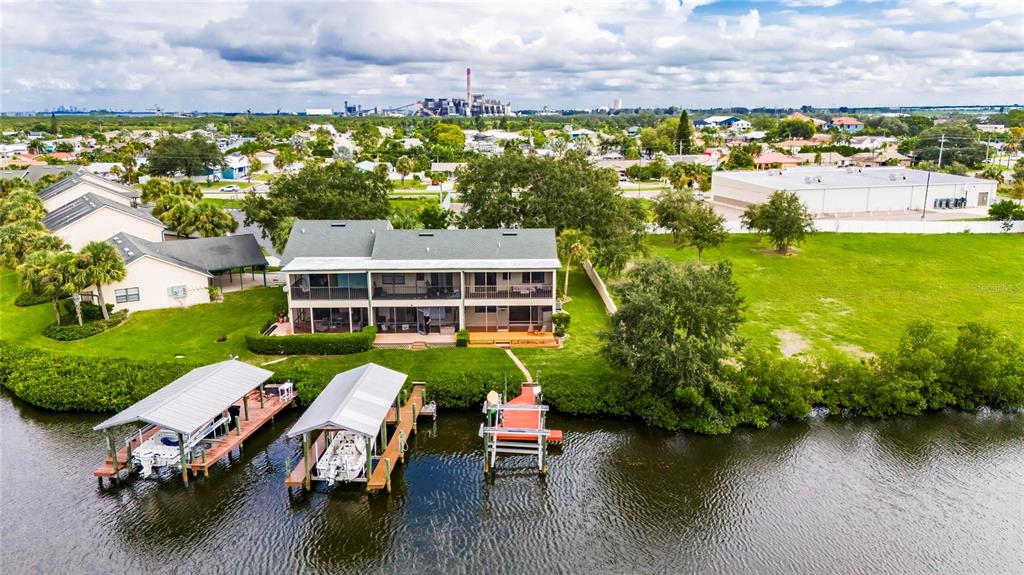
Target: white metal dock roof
187 403
356 400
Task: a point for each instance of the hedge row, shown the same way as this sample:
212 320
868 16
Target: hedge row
312 344
73 331
26 299
76 383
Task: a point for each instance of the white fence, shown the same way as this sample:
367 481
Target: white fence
895 227
602 291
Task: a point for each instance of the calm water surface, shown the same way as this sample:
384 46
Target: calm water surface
934 494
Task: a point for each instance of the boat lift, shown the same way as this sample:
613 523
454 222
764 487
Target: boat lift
517 427
194 421
352 415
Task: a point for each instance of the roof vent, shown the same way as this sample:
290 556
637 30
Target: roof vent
302 230
337 224
426 234
509 233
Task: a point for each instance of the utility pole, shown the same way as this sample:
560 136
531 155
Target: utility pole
928 179
942 146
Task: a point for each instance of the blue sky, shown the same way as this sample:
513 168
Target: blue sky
265 55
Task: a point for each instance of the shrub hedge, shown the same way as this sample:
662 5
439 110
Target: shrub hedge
27 299
462 338
561 323
72 331
312 344
77 383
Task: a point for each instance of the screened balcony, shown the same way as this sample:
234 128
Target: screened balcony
391 286
347 286
510 285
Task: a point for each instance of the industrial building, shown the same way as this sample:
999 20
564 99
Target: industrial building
831 190
472 105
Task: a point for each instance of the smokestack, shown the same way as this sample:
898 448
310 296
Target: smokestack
469 93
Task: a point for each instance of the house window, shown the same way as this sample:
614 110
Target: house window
392 279
126 295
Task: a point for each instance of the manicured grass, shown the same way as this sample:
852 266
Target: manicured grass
863 289
216 186
410 184
225 204
150 335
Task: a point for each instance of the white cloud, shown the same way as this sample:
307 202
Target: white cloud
264 55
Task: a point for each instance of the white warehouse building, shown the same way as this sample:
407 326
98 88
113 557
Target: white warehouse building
830 190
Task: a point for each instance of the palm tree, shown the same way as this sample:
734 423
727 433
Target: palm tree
404 166
572 245
1011 145
19 239
39 276
21 205
102 265
70 278
211 221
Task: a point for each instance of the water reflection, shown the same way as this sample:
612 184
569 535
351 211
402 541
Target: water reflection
824 495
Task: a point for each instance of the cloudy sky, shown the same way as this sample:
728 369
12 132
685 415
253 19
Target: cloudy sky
264 55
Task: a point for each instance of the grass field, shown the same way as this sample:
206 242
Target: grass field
863 289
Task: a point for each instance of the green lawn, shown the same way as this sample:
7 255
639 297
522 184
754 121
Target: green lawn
410 184
863 289
225 204
150 335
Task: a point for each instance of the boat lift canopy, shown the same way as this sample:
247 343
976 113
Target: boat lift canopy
191 401
356 400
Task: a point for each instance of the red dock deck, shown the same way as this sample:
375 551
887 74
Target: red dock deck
526 419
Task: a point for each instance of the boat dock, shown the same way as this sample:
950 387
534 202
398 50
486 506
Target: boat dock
353 415
517 427
194 421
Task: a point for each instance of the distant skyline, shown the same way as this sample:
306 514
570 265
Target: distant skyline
233 56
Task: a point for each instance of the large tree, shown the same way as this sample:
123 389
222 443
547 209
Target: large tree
783 219
684 134
448 136
45 274
187 218
319 192
404 166
691 222
957 142
101 264
673 331
157 188
185 156
21 238
21 205
513 190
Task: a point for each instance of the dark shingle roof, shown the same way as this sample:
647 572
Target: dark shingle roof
201 254
75 179
87 204
491 244
33 173
332 238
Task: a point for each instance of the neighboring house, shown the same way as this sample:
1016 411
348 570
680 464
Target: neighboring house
73 187
267 160
92 217
35 172
731 122
805 118
61 156
10 150
772 159
826 159
178 273
847 124
991 128
343 275
871 142
105 170
236 167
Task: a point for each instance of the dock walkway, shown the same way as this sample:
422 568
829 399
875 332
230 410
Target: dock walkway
395 451
258 416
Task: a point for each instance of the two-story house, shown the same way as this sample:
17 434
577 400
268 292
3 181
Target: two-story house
344 275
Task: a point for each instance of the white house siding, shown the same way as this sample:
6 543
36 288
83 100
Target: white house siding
154 278
79 190
104 223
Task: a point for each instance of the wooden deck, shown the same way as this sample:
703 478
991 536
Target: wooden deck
526 419
225 444
295 477
512 339
394 452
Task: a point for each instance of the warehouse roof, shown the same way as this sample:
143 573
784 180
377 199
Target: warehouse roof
827 177
188 403
88 203
356 400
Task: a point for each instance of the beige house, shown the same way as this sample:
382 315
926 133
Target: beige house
92 217
77 185
154 280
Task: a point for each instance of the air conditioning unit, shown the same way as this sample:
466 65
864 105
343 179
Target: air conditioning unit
178 292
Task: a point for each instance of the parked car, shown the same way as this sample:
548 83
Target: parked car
230 188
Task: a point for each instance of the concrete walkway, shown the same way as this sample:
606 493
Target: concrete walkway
520 365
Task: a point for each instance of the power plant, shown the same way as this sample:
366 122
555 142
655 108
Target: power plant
472 105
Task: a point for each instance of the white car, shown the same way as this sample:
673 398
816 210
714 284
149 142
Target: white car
230 188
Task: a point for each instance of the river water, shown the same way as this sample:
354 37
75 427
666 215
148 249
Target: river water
940 493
